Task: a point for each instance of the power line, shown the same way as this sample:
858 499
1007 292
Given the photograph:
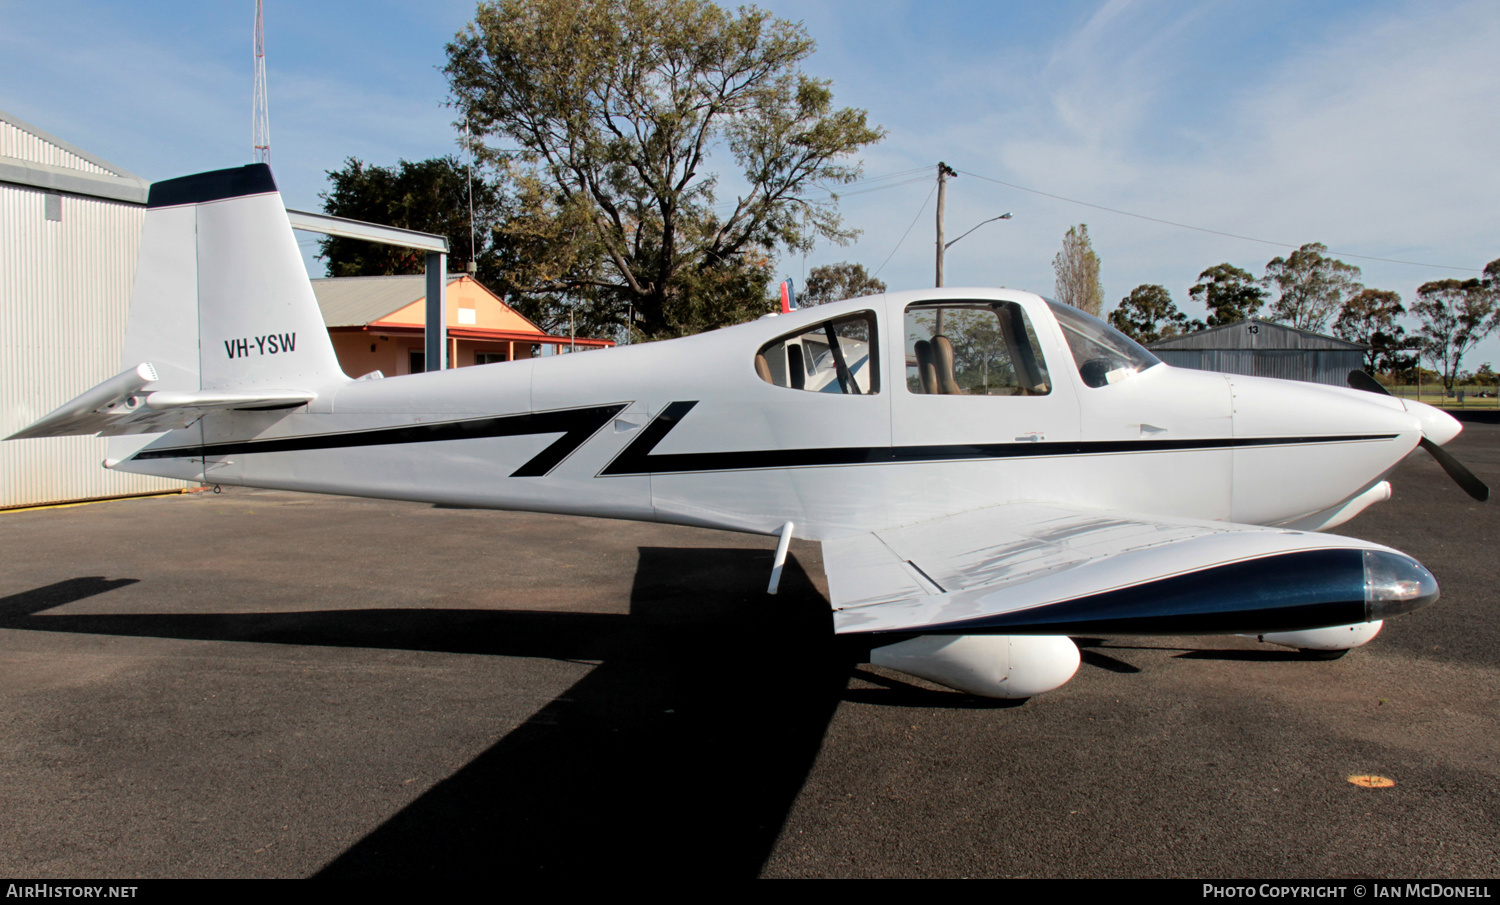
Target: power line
884 176
1201 229
721 206
905 234
877 188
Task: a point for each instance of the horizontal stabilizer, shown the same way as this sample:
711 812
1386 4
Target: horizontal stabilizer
89 412
124 405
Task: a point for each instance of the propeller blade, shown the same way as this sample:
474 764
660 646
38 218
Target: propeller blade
1456 470
1465 478
1359 380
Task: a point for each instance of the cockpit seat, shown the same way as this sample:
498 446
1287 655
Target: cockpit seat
926 373
763 368
942 362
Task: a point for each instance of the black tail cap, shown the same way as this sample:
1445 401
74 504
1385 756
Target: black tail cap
254 179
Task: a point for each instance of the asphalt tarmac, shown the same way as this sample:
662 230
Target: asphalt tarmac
265 684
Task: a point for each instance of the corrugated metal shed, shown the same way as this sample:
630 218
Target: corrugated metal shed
71 225
1262 349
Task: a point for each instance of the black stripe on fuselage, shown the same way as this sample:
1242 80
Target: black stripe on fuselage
575 425
578 425
637 458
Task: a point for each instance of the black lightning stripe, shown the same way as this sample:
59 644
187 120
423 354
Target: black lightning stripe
575 425
578 425
637 458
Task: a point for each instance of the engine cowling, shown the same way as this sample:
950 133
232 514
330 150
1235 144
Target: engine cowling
991 666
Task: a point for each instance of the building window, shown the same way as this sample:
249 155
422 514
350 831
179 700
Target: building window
418 361
489 358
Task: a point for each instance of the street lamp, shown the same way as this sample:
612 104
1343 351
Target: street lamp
1005 216
943 247
947 245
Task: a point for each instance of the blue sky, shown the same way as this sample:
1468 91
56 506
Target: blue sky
1371 127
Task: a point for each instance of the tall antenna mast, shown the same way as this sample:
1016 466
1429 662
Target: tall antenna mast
472 267
261 116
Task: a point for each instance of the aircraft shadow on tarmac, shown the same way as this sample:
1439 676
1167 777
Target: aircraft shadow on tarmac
684 749
687 745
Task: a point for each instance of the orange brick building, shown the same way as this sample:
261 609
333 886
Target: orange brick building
376 324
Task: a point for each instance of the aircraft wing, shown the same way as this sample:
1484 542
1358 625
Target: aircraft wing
1049 569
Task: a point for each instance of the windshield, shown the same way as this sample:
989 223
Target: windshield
1103 354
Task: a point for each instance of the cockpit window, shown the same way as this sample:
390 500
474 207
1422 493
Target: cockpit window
836 356
1103 354
973 349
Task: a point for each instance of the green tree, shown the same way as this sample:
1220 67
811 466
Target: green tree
429 196
1370 318
604 114
1077 269
1456 315
836 282
1312 287
1484 377
1148 314
1230 294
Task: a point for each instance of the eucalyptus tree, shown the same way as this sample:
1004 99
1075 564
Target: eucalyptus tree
1230 294
1148 314
1312 287
606 117
1370 318
1456 315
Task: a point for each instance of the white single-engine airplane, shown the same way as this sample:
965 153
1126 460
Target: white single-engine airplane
989 472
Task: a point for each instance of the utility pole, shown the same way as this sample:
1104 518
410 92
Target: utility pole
944 171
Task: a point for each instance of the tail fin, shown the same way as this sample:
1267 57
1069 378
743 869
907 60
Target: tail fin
222 318
222 300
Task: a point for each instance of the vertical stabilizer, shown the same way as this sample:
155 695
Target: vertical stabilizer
258 323
221 299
